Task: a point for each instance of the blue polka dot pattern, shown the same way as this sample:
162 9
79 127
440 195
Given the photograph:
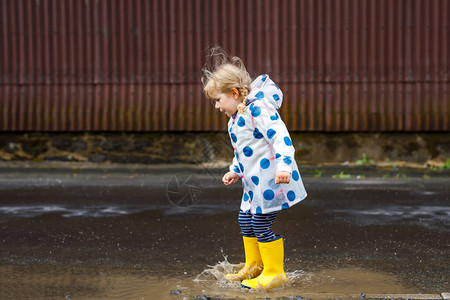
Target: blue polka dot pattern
268 194
274 117
256 111
272 184
271 133
264 163
248 151
257 134
287 160
246 197
291 195
287 141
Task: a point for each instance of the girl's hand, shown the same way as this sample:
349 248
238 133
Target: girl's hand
282 177
230 178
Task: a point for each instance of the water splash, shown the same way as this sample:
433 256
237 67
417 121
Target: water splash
218 271
298 276
216 275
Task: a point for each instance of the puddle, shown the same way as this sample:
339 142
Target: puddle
37 282
346 281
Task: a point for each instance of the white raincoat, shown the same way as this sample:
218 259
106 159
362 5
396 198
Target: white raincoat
262 147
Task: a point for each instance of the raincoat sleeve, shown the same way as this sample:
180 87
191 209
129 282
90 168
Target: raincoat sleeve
276 134
234 167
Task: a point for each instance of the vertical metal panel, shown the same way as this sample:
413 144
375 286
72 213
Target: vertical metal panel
345 65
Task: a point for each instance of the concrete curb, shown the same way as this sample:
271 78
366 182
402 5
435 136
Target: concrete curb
363 296
323 296
403 296
378 296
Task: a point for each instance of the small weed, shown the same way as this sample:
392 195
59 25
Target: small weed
398 175
385 176
342 175
425 176
364 161
447 164
317 174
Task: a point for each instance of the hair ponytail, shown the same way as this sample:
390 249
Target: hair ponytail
223 72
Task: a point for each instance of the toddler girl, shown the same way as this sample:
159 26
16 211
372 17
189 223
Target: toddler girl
263 160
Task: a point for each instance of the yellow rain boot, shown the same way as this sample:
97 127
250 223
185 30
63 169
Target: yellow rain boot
253 262
273 275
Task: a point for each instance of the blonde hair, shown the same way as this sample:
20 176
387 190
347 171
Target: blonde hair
223 72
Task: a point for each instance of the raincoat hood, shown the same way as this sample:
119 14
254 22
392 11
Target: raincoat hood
263 88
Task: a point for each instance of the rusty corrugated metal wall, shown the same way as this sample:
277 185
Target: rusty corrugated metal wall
130 65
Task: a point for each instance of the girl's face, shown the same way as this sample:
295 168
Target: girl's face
227 102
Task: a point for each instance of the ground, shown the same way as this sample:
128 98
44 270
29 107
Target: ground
140 232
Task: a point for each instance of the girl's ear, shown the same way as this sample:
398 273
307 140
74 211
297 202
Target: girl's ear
235 93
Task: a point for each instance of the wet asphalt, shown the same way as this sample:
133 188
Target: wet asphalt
174 223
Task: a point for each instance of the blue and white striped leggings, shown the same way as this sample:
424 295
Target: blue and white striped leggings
257 225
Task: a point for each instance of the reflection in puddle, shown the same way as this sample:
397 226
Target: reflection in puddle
428 216
93 211
59 282
106 210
